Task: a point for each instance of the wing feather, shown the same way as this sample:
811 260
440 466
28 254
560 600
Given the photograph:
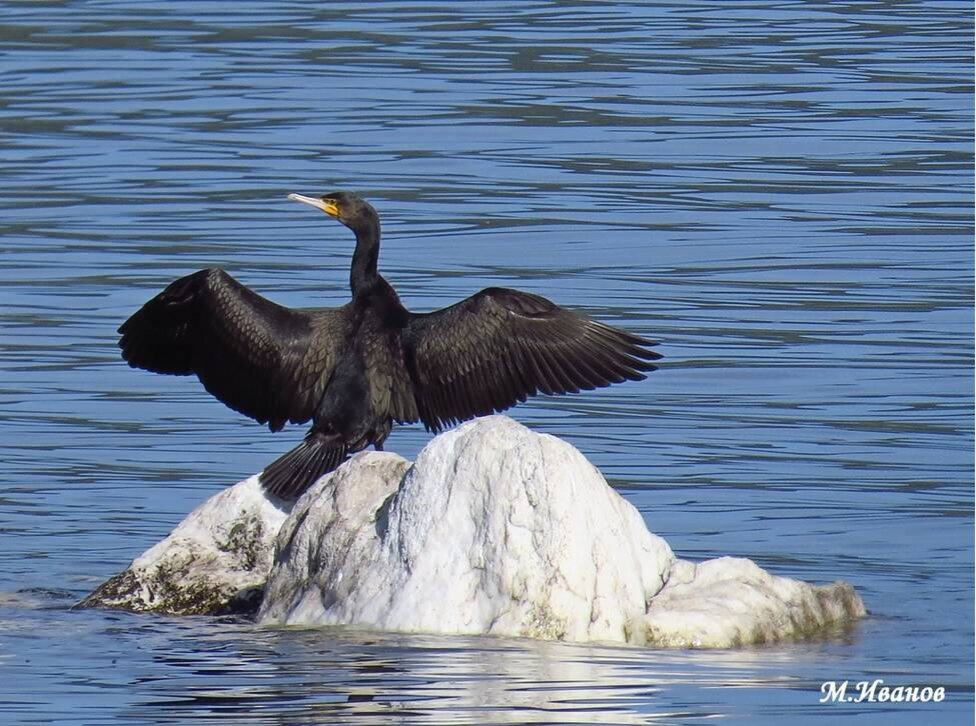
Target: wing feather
499 346
262 359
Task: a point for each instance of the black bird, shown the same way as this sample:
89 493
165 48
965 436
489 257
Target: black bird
356 369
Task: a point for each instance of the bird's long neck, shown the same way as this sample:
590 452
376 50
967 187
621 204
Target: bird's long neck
369 290
363 276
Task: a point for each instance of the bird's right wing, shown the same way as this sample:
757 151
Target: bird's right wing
499 346
262 359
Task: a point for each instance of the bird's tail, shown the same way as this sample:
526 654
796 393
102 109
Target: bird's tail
291 474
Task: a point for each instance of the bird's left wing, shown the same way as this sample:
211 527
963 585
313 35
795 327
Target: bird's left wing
499 346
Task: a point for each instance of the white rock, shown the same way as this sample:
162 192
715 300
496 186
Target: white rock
731 601
498 530
493 530
213 562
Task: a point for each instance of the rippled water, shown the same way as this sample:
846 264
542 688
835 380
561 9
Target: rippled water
780 192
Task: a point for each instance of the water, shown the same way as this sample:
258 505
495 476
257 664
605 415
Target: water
780 192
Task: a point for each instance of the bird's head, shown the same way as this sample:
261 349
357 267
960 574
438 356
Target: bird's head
354 212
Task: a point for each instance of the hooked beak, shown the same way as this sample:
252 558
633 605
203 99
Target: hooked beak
326 205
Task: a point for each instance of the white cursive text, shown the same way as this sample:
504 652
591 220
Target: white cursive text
877 692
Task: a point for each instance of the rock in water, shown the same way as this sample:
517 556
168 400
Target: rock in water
731 601
493 530
499 530
216 560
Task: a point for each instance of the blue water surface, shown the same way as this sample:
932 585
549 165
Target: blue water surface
779 192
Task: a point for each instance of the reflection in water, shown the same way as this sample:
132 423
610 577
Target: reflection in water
779 192
337 676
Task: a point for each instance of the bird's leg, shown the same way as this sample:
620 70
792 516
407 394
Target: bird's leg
380 434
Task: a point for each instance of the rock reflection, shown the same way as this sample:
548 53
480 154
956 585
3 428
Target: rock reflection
334 676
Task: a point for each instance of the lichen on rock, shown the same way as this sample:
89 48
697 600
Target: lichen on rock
216 561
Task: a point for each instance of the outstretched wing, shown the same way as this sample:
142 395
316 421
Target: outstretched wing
499 346
262 359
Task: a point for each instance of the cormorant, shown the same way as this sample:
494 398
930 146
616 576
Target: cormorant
355 370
